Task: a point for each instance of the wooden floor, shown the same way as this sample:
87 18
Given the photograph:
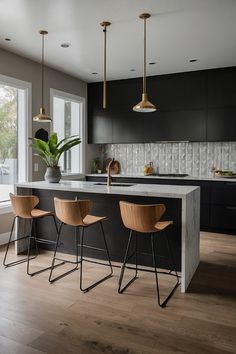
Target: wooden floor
37 318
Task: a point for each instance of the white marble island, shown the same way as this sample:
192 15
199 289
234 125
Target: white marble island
186 201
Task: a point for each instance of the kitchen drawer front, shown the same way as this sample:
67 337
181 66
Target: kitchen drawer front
223 217
223 193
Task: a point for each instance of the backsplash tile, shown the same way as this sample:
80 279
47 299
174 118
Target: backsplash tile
195 159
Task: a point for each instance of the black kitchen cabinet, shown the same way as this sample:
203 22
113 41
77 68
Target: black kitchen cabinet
221 85
183 91
218 200
221 124
127 125
176 126
191 106
99 119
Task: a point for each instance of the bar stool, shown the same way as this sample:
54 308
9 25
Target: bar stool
145 219
75 213
24 208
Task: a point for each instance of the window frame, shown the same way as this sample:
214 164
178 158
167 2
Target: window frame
78 99
27 123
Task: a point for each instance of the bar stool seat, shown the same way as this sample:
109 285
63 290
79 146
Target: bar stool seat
91 219
38 213
24 208
75 213
145 219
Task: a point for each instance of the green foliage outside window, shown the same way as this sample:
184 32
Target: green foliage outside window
8 122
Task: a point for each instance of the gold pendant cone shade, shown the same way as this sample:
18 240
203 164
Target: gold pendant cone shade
144 106
42 116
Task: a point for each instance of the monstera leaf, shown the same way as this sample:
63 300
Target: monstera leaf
52 150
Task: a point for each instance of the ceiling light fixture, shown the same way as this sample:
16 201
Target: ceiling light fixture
42 117
144 106
65 45
105 24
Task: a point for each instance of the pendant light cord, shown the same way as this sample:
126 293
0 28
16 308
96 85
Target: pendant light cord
42 70
144 59
105 69
104 24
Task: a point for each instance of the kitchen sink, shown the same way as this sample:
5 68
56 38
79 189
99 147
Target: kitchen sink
169 174
114 184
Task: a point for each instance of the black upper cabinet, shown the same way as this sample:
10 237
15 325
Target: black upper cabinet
99 119
176 126
221 85
192 106
178 91
221 121
221 124
127 125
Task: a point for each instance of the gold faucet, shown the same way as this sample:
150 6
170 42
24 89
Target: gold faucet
109 178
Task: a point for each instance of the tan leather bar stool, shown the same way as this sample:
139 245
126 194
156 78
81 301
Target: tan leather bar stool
24 207
146 219
75 213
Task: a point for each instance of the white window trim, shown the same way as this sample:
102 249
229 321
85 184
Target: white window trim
75 98
24 85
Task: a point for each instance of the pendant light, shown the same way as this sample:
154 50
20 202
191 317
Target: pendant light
144 106
105 24
42 116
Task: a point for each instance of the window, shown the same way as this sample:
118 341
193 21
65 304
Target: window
68 119
14 133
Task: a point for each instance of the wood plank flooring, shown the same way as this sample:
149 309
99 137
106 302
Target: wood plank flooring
39 318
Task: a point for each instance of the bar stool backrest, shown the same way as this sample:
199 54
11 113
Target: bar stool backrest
22 205
72 212
141 218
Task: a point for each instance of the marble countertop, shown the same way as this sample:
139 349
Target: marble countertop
191 178
149 190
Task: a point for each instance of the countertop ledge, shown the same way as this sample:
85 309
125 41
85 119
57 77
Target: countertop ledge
191 178
149 190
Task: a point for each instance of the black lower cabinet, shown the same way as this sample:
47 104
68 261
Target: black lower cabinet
218 200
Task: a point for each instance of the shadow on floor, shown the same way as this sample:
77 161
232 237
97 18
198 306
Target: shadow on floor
214 279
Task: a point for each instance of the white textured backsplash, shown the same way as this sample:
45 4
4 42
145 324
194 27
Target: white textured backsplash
195 159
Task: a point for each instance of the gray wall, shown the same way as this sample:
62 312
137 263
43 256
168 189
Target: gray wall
24 69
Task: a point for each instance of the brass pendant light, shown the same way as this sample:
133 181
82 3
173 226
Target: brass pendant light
42 116
105 24
144 106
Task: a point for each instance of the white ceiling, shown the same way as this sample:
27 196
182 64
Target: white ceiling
177 31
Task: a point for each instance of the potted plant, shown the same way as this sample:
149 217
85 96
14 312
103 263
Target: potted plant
50 151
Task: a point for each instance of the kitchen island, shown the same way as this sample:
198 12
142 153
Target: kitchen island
182 206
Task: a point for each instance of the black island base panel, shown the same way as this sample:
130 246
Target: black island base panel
116 234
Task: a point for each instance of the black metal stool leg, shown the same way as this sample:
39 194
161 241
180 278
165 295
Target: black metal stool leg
155 268
126 258
34 237
163 304
53 266
8 245
82 260
107 251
